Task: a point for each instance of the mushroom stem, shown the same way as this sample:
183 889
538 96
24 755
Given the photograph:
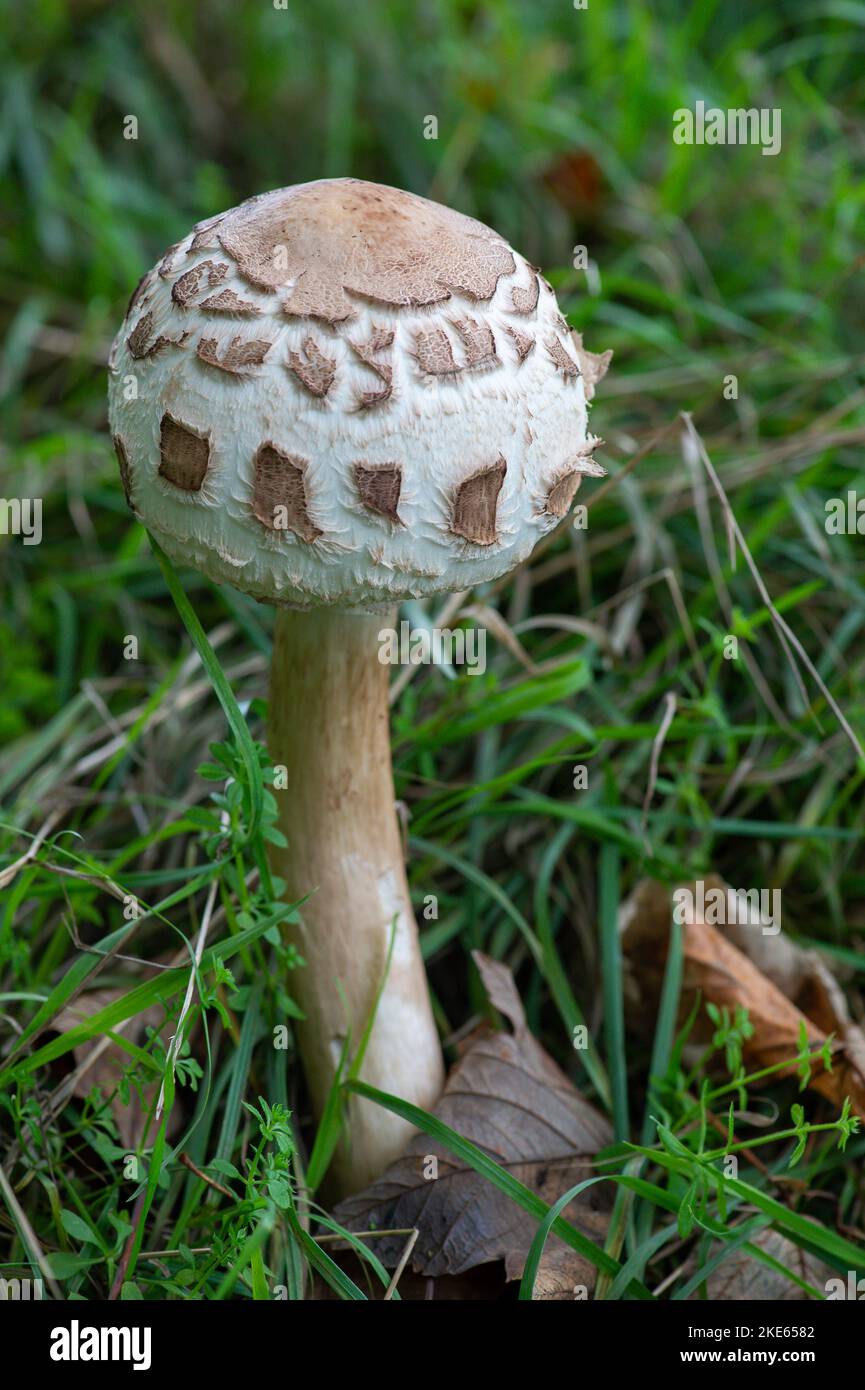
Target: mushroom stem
329 728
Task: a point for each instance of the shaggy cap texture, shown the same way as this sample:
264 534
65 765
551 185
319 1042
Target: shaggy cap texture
340 393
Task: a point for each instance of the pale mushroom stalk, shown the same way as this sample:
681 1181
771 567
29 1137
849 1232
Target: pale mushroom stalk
329 727
335 397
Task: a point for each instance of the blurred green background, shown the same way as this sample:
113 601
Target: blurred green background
555 126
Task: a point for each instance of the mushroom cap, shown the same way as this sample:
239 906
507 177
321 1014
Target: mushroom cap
341 393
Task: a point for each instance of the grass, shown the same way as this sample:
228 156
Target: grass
705 264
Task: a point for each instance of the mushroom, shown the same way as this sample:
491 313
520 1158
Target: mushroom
336 396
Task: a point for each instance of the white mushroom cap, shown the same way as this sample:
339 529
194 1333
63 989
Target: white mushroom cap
340 393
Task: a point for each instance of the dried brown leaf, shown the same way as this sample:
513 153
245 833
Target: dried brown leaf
727 976
743 1277
508 1096
102 1065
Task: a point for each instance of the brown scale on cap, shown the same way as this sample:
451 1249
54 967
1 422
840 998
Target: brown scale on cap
379 486
125 472
593 365
140 336
187 285
166 265
523 342
139 341
562 494
239 356
329 240
476 504
314 370
432 349
329 306
562 359
379 340
279 493
184 455
368 400
480 345
525 300
228 302
205 234
588 465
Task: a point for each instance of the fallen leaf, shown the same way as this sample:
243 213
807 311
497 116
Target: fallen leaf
728 977
508 1096
806 980
743 1277
101 1063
